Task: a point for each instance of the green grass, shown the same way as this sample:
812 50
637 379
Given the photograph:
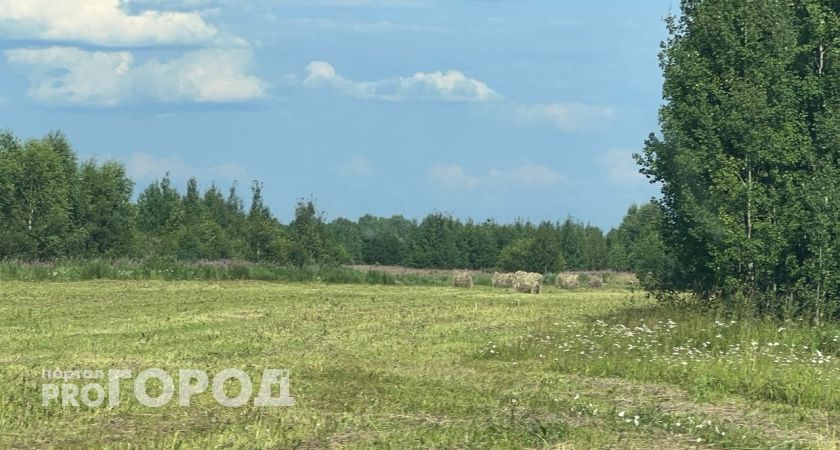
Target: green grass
789 362
413 367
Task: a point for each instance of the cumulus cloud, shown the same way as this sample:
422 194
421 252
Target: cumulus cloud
145 166
566 116
621 168
66 75
210 75
452 86
101 22
526 176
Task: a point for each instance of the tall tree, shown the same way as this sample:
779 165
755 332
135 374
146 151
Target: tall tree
263 230
103 211
308 234
159 217
747 127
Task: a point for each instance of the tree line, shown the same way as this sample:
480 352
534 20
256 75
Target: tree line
53 206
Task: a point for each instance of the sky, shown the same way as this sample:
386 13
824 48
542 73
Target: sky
498 109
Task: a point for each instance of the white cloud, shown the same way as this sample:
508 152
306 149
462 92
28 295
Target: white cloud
566 116
452 86
66 75
69 75
621 168
144 166
101 22
356 167
211 75
526 176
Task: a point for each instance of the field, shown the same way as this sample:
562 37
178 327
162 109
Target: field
416 367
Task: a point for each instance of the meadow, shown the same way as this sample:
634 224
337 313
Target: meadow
383 366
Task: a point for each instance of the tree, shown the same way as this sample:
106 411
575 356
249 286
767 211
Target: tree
546 254
436 243
748 127
103 211
572 243
13 233
344 241
263 232
41 216
308 234
159 216
636 245
517 255
481 251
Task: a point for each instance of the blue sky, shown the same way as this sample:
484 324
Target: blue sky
504 108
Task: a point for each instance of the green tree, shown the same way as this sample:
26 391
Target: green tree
103 211
345 241
748 127
12 234
159 217
308 234
41 217
546 253
572 243
264 235
517 255
436 243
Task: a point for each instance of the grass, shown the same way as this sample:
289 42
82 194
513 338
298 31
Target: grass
415 367
785 362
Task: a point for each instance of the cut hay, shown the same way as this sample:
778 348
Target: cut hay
596 281
462 280
503 280
567 280
528 283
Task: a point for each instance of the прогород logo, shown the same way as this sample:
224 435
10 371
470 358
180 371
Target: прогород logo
72 388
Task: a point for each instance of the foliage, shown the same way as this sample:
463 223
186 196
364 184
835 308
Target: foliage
747 158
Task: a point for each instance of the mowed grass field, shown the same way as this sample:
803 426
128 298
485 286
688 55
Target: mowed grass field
416 367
